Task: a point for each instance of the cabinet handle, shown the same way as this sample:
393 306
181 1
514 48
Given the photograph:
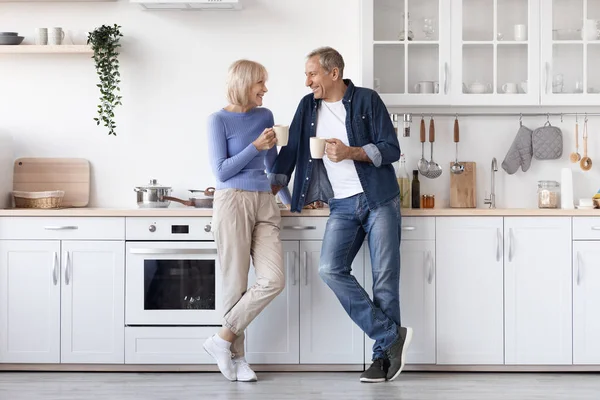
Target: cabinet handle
67 274
596 228
136 250
547 75
305 267
292 266
299 228
578 278
61 228
498 242
430 263
55 269
510 244
409 228
446 78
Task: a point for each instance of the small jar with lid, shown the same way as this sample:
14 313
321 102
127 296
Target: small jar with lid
428 201
548 194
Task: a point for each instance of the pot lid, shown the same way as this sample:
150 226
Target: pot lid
153 184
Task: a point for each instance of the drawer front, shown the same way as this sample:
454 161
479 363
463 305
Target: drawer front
169 228
61 228
167 345
418 228
586 228
303 228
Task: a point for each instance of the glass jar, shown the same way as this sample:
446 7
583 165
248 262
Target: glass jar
548 194
428 200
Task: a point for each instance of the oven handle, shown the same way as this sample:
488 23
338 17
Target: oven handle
172 251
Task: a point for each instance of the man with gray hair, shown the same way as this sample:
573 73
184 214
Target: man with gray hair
356 178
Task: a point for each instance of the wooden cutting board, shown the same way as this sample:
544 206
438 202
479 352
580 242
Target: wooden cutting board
69 174
463 192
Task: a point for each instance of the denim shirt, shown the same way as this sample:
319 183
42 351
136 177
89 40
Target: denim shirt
368 125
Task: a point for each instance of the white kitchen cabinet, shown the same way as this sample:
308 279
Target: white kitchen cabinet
417 288
93 302
469 284
29 301
537 290
327 334
495 52
274 336
570 52
406 50
306 323
586 298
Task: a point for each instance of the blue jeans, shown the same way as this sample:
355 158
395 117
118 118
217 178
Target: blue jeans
349 222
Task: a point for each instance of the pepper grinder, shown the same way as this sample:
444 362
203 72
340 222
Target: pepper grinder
407 122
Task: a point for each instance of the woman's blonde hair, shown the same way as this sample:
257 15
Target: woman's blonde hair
242 75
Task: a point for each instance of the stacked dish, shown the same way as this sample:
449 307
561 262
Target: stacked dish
10 38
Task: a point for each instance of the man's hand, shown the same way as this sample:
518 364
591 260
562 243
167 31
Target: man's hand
336 150
275 189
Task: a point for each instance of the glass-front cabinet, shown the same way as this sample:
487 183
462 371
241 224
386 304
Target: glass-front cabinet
495 52
570 73
406 50
452 52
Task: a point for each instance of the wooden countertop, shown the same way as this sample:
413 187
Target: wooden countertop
196 212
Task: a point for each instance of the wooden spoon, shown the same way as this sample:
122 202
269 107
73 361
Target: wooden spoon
586 162
574 157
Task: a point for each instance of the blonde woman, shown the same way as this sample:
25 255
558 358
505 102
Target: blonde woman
246 218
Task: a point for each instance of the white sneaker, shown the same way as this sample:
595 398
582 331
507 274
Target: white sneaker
223 358
244 372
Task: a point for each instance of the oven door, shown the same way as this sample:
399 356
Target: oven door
172 283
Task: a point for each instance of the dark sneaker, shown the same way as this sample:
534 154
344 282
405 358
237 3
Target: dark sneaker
376 372
397 351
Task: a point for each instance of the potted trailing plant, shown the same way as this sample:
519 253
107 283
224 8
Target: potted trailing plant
105 44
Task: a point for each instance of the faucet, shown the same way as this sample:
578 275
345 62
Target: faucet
492 199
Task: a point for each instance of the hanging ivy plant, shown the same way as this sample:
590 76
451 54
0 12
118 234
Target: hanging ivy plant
105 43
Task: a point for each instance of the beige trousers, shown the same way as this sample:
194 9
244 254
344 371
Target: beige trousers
246 225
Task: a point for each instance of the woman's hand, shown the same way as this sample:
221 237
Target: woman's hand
265 140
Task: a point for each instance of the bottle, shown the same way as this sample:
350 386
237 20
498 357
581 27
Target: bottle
416 190
403 183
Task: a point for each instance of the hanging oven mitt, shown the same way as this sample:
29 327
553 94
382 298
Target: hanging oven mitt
520 152
547 142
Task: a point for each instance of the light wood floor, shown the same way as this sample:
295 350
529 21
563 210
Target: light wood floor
294 385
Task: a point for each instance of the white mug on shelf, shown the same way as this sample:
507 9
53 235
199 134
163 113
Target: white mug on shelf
41 36
424 87
56 36
520 32
510 87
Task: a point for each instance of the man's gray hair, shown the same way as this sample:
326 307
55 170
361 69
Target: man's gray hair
329 59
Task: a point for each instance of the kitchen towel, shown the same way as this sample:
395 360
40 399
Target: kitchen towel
520 152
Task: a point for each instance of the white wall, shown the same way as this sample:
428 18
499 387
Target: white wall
173 72
174 66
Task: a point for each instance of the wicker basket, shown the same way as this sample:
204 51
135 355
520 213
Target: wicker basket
50 199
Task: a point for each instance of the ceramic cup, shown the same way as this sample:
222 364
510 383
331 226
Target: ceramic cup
41 36
56 36
317 147
282 133
520 32
424 87
510 88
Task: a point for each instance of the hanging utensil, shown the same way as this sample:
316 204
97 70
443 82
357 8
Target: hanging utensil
423 165
586 162
575 157
456 168
434 170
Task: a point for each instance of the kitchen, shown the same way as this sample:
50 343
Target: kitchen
167 74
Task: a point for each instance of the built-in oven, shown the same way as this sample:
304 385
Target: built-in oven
172 273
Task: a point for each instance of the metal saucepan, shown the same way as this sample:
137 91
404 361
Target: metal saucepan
204 200
153 195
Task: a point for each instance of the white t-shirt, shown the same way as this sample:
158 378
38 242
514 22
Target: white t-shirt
331 124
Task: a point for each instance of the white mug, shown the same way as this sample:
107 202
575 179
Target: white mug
510 88
424 87
282 133
317 147
520 32
41 36
56 36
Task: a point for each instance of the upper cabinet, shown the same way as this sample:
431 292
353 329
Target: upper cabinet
570 52
482 52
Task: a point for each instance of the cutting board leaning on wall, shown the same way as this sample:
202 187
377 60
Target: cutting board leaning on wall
463 193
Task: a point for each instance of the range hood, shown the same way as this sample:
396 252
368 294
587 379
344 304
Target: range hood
190 5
